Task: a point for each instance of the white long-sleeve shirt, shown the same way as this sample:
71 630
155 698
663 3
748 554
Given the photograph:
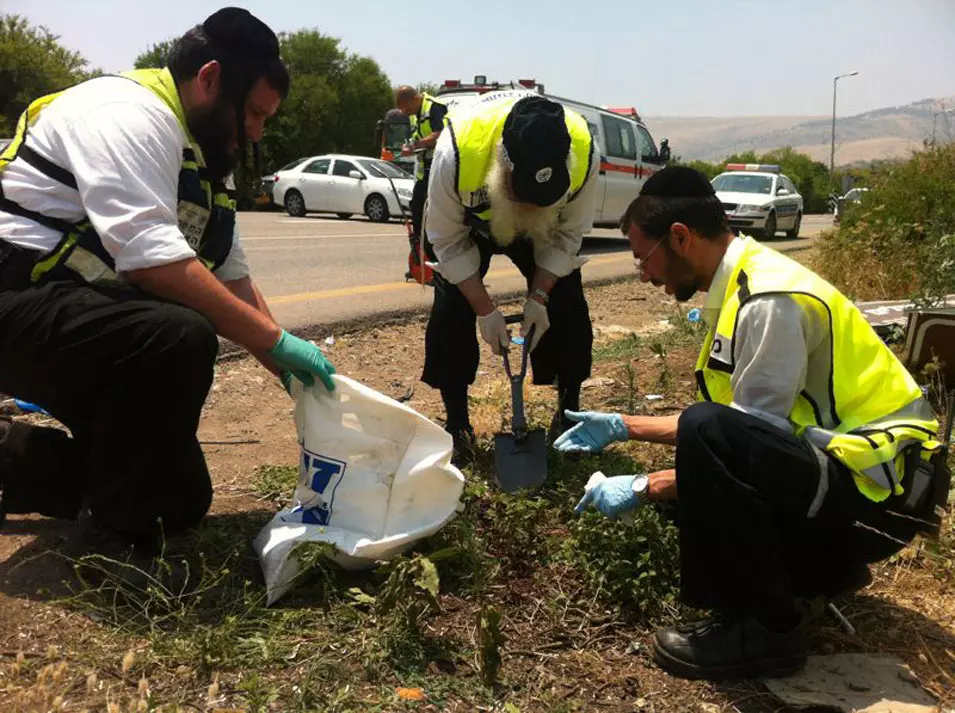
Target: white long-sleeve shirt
458 256
124 147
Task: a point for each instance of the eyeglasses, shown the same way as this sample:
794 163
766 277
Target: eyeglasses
638 263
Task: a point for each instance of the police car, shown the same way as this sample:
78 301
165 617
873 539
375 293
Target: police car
759 200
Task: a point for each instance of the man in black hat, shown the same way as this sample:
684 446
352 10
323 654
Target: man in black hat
515 176
119 266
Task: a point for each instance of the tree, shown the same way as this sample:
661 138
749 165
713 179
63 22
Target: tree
428 88
710 170
155 57
32 63
334 103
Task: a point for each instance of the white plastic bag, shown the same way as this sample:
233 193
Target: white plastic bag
374 477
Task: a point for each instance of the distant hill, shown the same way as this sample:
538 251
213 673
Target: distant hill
883 133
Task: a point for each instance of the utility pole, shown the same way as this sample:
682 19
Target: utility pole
832 148
935 117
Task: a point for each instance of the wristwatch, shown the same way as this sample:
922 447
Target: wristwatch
641 485
540 293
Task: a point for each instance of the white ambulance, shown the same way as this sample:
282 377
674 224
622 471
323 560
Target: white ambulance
626 150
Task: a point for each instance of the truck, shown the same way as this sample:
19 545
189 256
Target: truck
627 152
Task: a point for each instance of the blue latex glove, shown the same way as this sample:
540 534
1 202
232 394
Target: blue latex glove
303 359
611 497
593 431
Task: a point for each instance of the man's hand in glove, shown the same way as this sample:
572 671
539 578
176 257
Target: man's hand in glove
494 331
593 431
303 359
613 496
535 315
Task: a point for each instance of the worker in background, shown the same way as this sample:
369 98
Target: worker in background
518 177
811 453
427 117
119 266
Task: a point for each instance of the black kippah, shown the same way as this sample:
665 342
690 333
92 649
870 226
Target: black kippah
236 31
678 182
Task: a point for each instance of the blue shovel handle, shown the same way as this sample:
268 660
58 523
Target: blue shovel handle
27 407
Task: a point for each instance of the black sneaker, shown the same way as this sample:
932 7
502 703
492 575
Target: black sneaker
465 447
721 648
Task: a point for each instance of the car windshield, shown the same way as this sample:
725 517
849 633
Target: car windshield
739 183
383 169
290 166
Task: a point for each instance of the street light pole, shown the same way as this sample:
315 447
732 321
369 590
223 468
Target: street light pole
832 147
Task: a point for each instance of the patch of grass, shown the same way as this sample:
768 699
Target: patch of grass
626 347
275 482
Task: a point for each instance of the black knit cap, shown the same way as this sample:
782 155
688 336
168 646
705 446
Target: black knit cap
537 143
238 33
678 182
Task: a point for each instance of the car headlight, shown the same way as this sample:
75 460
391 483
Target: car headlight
752 209
404 193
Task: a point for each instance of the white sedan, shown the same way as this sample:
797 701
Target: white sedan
344 185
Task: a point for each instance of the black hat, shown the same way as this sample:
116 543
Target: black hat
237 32
536 145
678 182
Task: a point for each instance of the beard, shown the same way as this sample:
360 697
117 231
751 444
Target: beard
510 219
685 283
214 129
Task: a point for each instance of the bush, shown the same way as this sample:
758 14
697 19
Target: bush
636 566
899 242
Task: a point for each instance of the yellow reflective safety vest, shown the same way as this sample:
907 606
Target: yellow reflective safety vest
206 212
476 139
421 129
874 411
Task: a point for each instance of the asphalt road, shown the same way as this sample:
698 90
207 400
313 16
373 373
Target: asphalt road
320 269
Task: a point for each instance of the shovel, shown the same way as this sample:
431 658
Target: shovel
520 457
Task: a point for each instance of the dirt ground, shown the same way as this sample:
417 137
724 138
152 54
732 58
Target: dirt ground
247 424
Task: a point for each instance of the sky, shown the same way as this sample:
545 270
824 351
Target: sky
683 58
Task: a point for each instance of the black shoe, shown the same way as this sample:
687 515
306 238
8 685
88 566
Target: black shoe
720 649
465 447
105 557
559 425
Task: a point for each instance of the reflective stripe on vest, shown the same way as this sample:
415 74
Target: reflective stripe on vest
874 409
422 129
476 139
206 213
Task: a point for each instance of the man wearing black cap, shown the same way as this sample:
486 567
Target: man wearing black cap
515 176
119 265
810 454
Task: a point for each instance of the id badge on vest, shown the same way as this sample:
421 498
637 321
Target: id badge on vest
193 219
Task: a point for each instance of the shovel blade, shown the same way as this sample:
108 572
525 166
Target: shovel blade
520 463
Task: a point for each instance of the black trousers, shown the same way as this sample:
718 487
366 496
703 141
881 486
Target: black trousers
451 344
128 376
746 544
418 195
